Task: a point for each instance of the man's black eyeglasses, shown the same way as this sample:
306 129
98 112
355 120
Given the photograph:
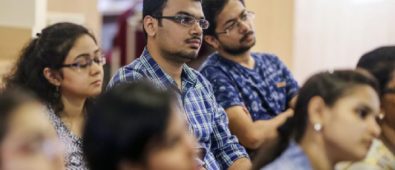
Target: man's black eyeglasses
186 20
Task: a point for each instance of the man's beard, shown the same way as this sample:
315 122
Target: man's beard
240 49
237 50
179 56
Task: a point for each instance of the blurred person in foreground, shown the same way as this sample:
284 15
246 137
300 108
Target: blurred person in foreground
137 126
27 138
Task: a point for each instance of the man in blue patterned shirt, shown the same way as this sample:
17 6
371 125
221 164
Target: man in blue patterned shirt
255 89
174 30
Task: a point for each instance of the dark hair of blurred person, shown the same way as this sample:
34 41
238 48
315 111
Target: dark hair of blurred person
137 126
380 63
335 120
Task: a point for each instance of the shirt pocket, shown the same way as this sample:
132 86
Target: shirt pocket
279 91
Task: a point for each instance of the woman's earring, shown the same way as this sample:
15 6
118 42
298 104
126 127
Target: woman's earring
381 116
317 127
57 94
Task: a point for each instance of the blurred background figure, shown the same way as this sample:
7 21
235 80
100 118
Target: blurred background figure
380 63
136 126
63 65
27 138
335 120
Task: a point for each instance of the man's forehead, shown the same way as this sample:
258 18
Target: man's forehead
231 10
191 7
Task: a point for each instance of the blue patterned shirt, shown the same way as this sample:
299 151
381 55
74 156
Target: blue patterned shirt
292 158
264 90
206 119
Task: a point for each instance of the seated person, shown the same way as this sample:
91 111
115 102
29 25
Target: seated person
335 120
63 66
255 89
381 64
174 30
136 126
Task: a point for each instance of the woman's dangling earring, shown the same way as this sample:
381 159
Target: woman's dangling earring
57 93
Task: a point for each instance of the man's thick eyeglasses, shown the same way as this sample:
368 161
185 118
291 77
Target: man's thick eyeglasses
86 62
186 20
229 27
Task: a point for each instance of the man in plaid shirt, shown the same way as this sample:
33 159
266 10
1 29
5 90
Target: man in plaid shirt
174 31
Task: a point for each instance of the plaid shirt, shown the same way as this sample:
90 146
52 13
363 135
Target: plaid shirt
206 119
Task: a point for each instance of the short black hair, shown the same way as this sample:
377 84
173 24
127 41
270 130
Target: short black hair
211 9
380 62
154 8
124 123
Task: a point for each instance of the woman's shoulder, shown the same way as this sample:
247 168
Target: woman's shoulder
55 120
292 158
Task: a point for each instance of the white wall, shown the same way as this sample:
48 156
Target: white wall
335 33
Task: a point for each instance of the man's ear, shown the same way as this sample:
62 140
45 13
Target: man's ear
150 25
52 76
211 41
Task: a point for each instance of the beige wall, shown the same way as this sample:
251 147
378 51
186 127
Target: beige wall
13 39
18 23
274 27
88 9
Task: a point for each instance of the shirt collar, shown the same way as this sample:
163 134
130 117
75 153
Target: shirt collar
188 77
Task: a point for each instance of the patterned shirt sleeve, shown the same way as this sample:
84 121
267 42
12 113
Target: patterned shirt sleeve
225 91
291 84
226 147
